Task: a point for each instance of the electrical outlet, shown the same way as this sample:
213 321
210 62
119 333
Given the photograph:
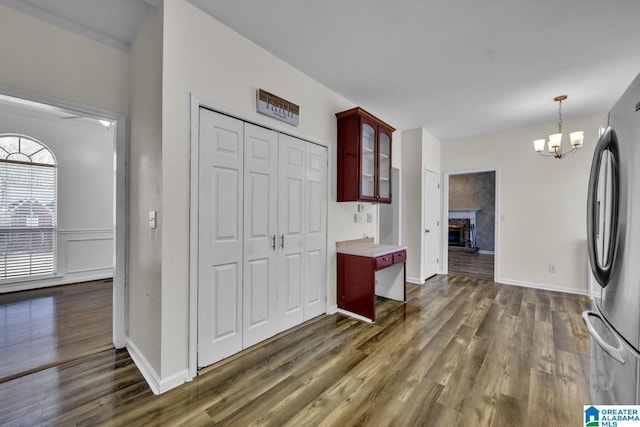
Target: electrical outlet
552 268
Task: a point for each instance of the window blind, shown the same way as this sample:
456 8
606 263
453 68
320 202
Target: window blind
27 219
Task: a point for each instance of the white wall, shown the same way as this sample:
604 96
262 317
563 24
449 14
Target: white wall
543 202
145 193
84 155
41 58
420 151
204 57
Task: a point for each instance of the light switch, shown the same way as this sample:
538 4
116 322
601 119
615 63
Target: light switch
369 217
152 219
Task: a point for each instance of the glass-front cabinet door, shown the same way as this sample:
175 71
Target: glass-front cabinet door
384 167
364 157
368 162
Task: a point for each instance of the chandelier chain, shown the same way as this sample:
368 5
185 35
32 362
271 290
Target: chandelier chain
560 116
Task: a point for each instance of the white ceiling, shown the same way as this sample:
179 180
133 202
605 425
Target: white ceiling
454 67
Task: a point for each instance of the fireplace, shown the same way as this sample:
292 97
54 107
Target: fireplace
456 235
461 238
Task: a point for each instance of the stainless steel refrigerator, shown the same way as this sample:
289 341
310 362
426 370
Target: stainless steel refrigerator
613 234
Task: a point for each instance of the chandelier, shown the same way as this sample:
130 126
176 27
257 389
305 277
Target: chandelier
555 140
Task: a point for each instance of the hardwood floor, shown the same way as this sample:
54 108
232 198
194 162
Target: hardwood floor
46 327
476 265
460 352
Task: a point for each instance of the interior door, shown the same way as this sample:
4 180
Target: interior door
260 228
315 232
220 221
431 209
290 230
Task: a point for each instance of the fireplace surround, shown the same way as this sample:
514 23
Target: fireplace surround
461 236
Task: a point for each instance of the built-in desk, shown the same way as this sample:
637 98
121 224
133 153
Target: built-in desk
366 270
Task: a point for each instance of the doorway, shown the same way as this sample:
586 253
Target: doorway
471 228
76 245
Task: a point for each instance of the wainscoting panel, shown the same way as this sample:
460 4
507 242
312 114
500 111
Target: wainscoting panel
85 253
82 255
88 254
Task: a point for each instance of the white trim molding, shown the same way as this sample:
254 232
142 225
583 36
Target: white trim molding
157 385
543 286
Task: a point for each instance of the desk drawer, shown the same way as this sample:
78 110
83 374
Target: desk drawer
400 256
384 261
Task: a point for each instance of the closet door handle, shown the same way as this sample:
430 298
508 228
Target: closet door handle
282 241
273 242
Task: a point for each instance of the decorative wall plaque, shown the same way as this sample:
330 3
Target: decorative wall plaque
278 108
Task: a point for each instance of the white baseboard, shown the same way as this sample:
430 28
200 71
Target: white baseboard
543 286
157 385
332 310
485 252
415 280
25 285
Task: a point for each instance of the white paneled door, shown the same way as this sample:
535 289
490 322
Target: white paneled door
431 223
315 233
220 237
290 229
262 230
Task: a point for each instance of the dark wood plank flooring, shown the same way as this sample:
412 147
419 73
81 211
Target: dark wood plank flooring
460 352
476 265
46 327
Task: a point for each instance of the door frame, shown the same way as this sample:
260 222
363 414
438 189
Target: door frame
197 102
444 268
119 313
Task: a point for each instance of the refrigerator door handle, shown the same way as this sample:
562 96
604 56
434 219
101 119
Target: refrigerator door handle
602 266
615 352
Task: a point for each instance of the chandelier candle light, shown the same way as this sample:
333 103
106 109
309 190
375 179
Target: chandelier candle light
555 140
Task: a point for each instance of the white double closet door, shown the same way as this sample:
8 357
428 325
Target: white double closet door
262 234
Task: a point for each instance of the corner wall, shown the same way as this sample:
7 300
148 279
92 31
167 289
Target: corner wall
145 194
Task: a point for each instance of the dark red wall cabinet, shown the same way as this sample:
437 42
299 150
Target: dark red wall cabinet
364 157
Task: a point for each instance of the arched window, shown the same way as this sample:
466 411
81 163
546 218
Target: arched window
28 219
